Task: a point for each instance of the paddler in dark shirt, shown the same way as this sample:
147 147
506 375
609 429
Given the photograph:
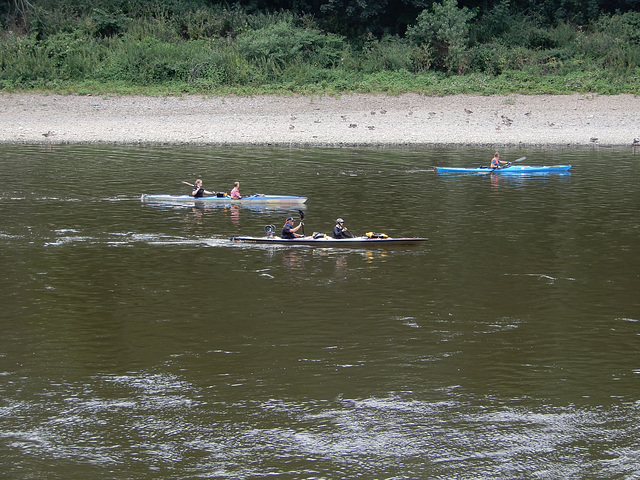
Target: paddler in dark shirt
340 231
198 191
288 231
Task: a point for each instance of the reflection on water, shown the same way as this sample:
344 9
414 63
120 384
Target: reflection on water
511 181
139 342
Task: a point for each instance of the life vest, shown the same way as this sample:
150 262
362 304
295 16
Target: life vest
286 231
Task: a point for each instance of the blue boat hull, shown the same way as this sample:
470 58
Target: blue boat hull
258 199
510 170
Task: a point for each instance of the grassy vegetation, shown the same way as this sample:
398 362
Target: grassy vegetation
219 51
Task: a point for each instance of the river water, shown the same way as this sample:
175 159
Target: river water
139 342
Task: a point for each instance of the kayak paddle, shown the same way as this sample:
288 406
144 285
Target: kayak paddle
509 164
302 218
348 234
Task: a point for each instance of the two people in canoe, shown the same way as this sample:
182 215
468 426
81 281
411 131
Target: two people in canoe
496 162
289 231
198 191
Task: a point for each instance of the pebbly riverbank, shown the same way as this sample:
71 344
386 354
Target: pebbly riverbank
356 119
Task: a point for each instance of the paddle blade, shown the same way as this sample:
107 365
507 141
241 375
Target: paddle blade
301 218
520 159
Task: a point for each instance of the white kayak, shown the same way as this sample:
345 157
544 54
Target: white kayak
330 242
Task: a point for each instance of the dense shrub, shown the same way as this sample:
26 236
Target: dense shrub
108 25
445 29
496 58
625 27
282 43
388 53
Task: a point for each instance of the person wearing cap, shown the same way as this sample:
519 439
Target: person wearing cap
340 231
288 230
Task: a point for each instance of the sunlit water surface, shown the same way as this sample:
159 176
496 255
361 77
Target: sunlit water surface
139 342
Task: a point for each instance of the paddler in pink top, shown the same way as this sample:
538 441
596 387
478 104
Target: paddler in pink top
235 193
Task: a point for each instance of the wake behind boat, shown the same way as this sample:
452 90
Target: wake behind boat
257 199
508 170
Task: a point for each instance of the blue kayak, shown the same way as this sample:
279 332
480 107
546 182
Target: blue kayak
257 199
511 169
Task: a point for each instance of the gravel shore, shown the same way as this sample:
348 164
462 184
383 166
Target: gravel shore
358 119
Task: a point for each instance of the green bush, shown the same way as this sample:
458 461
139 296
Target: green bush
421 59
210 22
108 25
153 61
388 53
615 42
494 24
445 29
625 27
282 43
23 61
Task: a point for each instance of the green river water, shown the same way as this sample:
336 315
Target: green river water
138 342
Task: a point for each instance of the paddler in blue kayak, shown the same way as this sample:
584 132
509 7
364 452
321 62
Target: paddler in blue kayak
235 191
288 231
495 161
198 191
340 231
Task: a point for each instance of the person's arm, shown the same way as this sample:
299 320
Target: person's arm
294 230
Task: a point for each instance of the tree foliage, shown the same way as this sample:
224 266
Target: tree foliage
283 43
321 45
444 29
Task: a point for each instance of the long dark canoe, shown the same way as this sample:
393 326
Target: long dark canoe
330 242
